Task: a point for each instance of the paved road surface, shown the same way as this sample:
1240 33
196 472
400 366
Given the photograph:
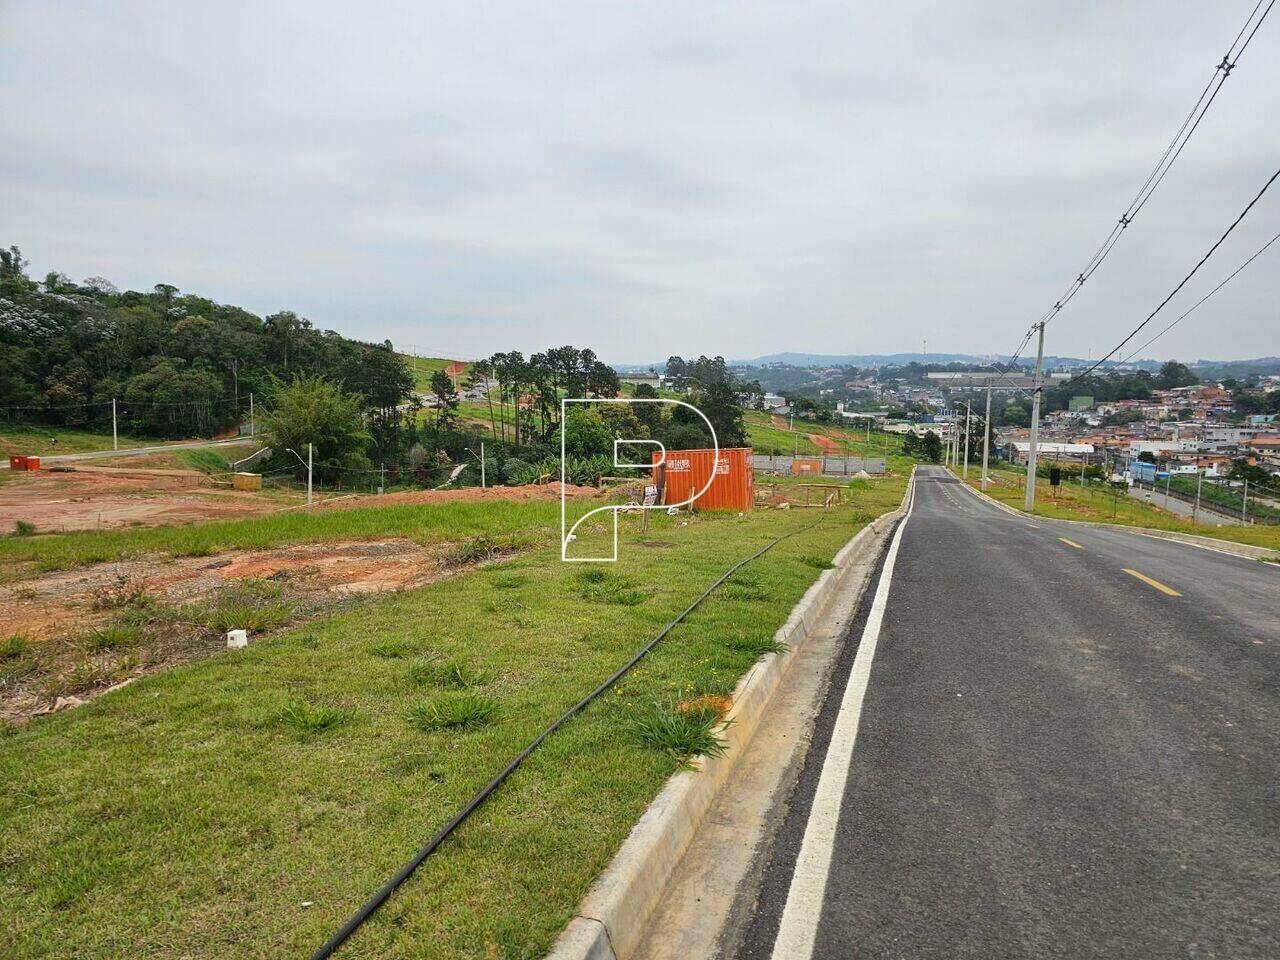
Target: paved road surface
137 451
1055 757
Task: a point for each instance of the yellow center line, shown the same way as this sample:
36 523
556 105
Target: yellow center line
1154 583
1071 543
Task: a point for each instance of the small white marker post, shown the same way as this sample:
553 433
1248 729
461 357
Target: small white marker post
237 639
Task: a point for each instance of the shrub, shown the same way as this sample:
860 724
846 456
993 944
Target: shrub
305 718
682 733
24 528
460 711
516 471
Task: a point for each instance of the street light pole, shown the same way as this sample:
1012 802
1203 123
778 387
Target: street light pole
968 421
1029 503
310 455
115 437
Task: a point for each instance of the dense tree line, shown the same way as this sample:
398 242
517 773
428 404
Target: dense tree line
177 365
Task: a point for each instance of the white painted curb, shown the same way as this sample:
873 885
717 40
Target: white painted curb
611 918
1195 540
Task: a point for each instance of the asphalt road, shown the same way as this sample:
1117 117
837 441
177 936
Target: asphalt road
1054 757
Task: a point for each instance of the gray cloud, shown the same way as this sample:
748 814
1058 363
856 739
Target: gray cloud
647 178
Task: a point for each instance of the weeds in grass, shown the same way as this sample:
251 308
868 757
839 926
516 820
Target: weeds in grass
395 649
16 669
603 586
90 674
682 733
446 673
24 528
14 647
757 646
122 592
479 550
459 711
743 591
818 563
305 718
510 581
111 637
238 615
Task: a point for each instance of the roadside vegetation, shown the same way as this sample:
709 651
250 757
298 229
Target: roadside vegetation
1102 504
254 799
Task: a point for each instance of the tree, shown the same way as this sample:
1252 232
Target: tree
1173 374
585 435
603 381
1015 415
931 447
446 397
317 411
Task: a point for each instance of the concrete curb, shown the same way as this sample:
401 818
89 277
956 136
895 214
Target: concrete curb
1208 543
612 916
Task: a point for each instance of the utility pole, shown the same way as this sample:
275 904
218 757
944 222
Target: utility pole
115 437
1029 504
310 456
1244 506
1168 482
986 437
968 420
1195 511
482 465
251 413
1084 462
382 477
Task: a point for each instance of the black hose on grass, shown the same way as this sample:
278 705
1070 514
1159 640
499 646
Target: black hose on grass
388 888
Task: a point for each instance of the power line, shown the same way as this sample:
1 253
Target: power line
1240 269
1133 333
1161 169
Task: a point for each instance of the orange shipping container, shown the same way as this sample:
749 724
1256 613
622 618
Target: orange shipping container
17 463
33 463
733 484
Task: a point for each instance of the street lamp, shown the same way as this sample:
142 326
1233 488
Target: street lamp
306 463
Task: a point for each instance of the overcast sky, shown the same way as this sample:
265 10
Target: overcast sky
650 178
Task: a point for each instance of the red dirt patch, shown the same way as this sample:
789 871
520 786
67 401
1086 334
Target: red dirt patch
825 444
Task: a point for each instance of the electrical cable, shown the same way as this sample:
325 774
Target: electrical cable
384 893
1114 350
1163 165
1197 304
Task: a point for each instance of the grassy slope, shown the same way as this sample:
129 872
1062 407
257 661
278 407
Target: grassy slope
765 437
1097 504
179 817
423 367
35 441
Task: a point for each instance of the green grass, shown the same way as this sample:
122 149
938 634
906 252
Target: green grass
38 441
448 673
187 796
206 460
1100 505
766 438
423 367
420 522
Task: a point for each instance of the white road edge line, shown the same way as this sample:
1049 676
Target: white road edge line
799 925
